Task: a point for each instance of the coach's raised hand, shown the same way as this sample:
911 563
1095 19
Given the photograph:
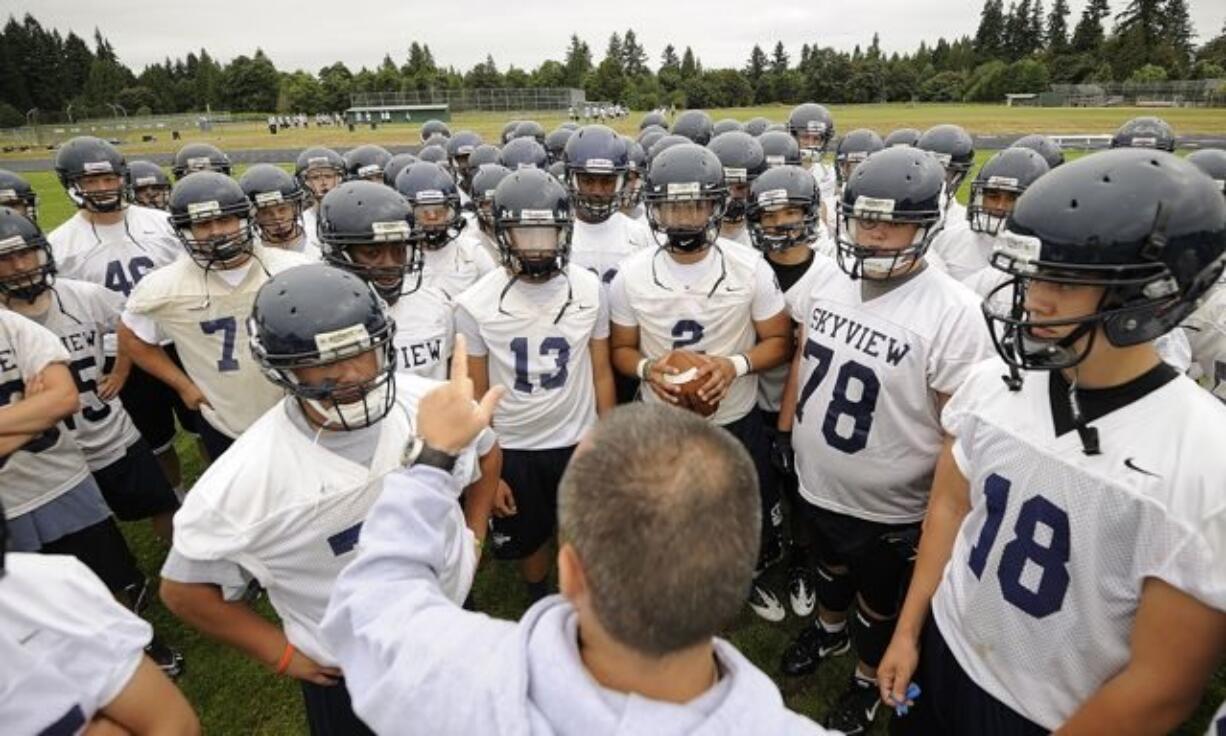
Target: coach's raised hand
448 418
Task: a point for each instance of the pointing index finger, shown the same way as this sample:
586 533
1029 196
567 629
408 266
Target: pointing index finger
459 360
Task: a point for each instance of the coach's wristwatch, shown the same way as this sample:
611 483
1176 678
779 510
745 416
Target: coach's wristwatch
419 453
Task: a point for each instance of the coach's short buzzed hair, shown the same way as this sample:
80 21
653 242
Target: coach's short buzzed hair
663 509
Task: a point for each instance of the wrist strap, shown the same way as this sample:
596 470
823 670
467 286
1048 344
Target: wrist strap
741 363
286 657
642 368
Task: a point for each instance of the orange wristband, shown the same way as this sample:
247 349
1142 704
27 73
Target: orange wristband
286 656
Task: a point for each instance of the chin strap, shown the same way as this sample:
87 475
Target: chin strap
1088 434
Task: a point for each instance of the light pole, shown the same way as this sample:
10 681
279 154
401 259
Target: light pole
32 121
68 111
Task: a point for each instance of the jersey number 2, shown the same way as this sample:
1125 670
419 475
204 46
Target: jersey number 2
1051 558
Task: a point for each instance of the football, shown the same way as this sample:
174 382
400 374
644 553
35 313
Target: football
688 364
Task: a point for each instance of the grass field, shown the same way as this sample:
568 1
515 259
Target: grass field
979 119
235 696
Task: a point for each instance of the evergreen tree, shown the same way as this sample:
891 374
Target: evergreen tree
1057 27
1088 35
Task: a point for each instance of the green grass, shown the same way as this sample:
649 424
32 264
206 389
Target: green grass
233 695
977 118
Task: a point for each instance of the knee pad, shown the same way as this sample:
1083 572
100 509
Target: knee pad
871 636
835 591
884 571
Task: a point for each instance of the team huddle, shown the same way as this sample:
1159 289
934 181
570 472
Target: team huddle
977 445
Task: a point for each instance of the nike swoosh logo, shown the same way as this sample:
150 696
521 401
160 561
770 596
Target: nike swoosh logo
1129 464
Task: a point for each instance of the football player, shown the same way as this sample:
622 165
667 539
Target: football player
52 503
485 181
81 314
519 153
695 125
202 303
74 657
432 128
452 260
116 244
1078 506
597 167
1206 327
659 541
148 185
784 222
285 507
1051 151
17 194
885 340
743 160
459 148
540 327
319 171
954 149
691 293
902 137
276 198
367 229
812 126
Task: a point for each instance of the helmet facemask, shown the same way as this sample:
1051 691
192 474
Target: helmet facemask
534 251
155 196
345 405
881 262
794 222
393 267
991 203
437 219
596 190
1139 303
95 198
223 246
277 218
26 268
688 218
321 179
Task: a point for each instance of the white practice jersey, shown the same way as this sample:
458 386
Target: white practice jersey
304 247
1038 599
80 314
488 243
116 256
772 382
544 362
206 318
289 512
601 247
1217 724
827 188
52 463
737 234
456 266
1206 332
964 252
425 332
867 432
706 307
65 642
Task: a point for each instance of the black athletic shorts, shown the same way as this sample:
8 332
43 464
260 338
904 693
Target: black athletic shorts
154 406
878 556
534 476
103 550
134 485
215 441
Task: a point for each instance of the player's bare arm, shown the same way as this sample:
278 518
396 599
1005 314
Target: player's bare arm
602 376
49 397
1177 644
112 383
479 497
479 371
202 606
150 705
154 360
787 409
947 507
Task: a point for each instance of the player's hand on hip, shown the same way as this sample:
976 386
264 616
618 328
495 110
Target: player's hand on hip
193 397
897 667
448 417
504 500
302 667
111 384
718 374
656 379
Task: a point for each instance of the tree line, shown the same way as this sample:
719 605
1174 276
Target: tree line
1020 48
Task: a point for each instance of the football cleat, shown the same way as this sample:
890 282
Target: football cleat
854 711
169 660
765 603
813 645
802 590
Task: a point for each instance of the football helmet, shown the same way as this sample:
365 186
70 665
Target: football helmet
148 185
21 238
365 215
1007 174
86 156
594 155
16 192
200 157
206 196
781 188
366 162
268 186
435 201
686 196
743 160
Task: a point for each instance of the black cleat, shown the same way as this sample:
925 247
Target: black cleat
855 709
169 660
813 645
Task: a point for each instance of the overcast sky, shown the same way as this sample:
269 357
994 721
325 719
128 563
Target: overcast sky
310 34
